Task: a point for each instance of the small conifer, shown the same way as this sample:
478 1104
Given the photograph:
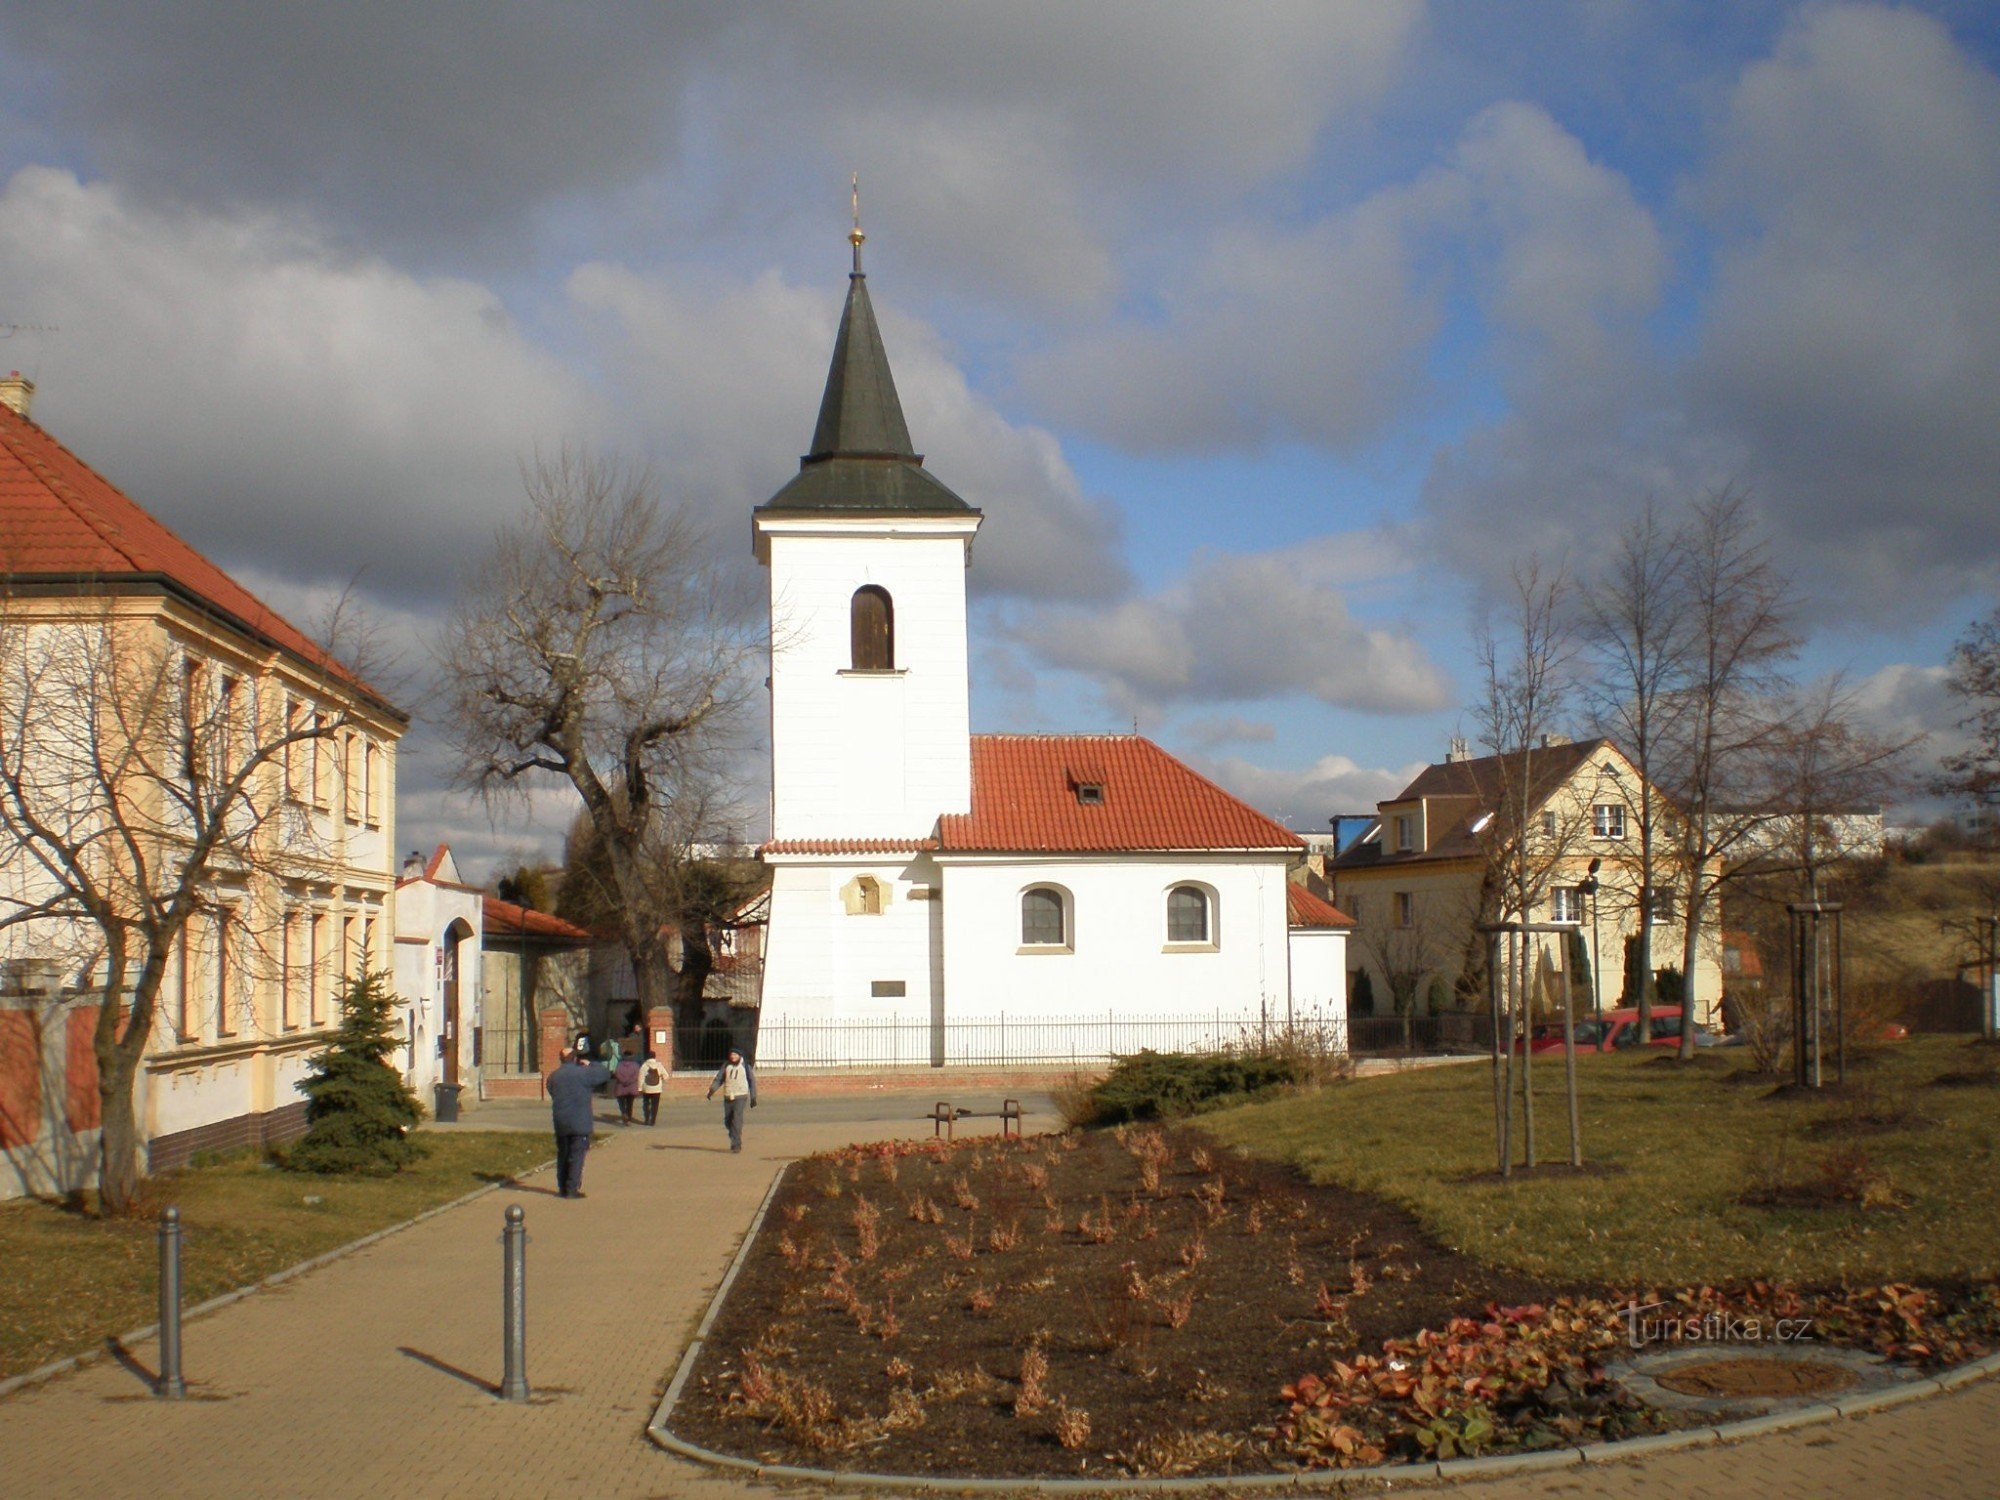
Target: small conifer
361 1110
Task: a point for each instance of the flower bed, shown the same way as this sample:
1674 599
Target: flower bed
1141 1302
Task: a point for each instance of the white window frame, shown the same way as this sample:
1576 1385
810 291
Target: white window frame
1607 820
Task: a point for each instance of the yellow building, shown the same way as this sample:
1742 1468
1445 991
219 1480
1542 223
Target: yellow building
151 703
1423 876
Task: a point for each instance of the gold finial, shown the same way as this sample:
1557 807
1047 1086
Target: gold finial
854 235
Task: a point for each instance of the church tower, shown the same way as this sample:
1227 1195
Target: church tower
867 551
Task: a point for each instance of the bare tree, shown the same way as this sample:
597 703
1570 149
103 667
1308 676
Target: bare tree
1636 626
1820 763
143 789
1974 773
598 643
1526 665
1406 946
1739 615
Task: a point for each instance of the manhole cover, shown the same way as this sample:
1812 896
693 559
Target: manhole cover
1747 1376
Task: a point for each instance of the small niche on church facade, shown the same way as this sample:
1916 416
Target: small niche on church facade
887 989
864 896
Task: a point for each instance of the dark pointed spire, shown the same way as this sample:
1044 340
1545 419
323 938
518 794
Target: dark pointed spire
861 457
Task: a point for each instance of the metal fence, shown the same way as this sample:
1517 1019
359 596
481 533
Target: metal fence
1034 1042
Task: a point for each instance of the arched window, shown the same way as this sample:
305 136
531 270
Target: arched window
1187 915
1043 920
872 625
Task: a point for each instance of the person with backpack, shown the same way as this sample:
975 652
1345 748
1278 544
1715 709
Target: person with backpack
652 1083
625 1086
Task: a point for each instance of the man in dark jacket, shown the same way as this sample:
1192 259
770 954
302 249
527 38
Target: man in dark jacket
571 1089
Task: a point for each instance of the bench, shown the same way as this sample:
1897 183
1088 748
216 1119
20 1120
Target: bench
944 1115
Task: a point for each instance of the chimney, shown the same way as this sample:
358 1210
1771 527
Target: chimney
413 867
1457 751
1554 741
17 393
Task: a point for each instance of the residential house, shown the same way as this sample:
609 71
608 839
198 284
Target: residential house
439 925
171 675
1418 882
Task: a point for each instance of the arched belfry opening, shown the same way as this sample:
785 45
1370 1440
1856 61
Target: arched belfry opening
872 630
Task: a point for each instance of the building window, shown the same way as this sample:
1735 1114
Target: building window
316 971
371 784
1548 825
186 960
321 750
288 956
1607 820
350 776
226 979
872 622
294 720
1565 904
1405 908
1406 832
1660 903
1187 914
1090 793
1044 920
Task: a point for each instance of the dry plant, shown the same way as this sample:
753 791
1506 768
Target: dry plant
1202 1159
1101 1229
1178 1452
1004 1237
898 1369
1195 1251
795 1212
925 1211
1072 1425
1253 1222
979 1300
962 1194
1178 1309
1032 1394
867 1222
1035 1175
959 1249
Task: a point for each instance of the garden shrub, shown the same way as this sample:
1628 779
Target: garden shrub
1152 1085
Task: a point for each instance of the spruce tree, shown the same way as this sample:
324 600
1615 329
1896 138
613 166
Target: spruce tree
361 1110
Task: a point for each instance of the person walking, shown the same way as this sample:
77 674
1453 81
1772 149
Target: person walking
652 1083
572 1086
738 1082
625 1087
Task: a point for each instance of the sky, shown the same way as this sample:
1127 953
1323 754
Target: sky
1269 339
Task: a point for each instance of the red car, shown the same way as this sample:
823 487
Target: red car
1613 1031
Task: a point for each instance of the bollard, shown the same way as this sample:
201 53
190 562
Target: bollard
514 1306
171 1387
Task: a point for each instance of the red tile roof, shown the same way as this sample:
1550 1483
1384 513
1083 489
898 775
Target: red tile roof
506 919
1304 909
1025 800
61 522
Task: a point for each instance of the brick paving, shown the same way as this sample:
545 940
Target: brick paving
373 1376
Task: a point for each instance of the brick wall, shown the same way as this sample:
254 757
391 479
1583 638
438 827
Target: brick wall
164 1153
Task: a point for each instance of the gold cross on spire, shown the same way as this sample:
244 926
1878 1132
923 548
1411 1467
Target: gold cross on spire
854 235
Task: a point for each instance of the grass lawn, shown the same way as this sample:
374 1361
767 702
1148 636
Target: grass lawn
71 1280
1682 1146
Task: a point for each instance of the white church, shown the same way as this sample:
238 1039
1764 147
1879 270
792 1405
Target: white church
940 897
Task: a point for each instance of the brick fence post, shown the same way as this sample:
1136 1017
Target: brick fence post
555 1040
660 1023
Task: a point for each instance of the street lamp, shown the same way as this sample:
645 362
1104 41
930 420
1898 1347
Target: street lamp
1588 887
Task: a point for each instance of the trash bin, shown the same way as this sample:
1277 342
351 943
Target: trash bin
446 1112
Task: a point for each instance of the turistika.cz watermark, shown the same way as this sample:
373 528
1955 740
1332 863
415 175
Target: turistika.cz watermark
1652 1324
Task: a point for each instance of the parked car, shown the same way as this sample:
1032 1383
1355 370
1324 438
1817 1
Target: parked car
1616 1030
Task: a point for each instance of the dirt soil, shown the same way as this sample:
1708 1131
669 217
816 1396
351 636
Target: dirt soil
1749 1375
1119 1302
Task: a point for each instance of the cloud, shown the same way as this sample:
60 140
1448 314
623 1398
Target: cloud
1851 343
322 415
1211 732
1237 629
1025 135
1305 798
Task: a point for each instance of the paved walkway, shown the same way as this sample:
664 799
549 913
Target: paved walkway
372 1377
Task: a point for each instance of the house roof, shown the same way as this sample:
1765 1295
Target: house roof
1469 789
1304 909
862 459
510 919
63 525
1024 801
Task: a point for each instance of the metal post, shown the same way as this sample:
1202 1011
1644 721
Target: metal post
514 1305
1596 957
1569 1068
1989 1018
172 1385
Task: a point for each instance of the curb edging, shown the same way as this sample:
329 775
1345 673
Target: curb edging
44 1373
1814 1414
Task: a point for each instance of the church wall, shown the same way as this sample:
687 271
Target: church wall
868 755
823 960
1119 958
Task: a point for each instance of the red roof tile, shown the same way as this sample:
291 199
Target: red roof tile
1304 909
1025 800
63 522
506 919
